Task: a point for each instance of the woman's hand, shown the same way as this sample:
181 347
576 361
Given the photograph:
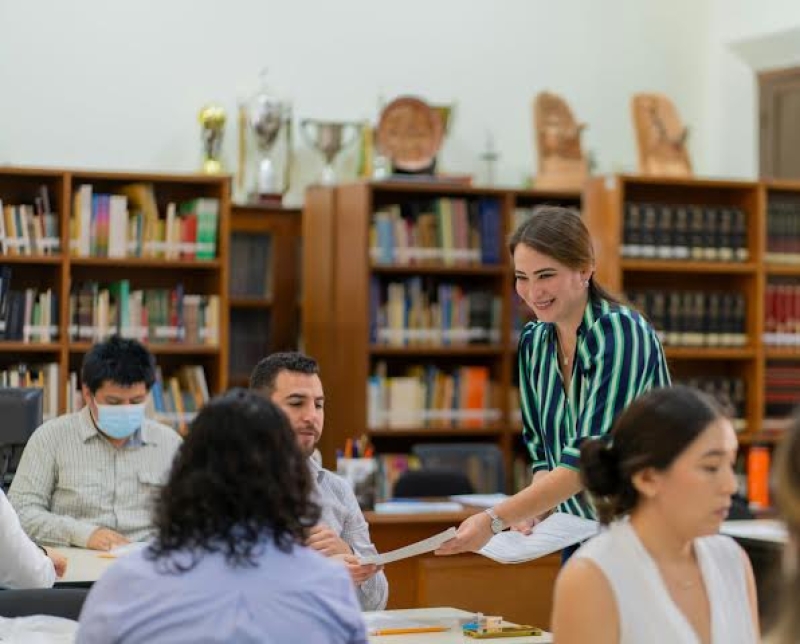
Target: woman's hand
472 535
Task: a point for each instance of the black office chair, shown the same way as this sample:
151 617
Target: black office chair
431 482
58 602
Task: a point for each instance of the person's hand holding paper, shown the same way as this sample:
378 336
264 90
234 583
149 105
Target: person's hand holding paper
359 572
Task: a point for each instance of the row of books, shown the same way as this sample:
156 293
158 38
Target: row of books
129 225
783 231
449 232
730 392
781 388
29 315
421 311
427 396
250 274
695 318
782 314
249 339
684 231
155 315
29 229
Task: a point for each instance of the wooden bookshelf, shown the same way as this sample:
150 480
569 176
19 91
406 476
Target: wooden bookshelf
606 200
263 310
63 269
337 271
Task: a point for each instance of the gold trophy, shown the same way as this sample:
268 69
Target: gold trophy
212 124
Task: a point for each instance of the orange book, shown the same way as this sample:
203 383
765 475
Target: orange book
758 466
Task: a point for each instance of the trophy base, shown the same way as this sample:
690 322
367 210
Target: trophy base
267 198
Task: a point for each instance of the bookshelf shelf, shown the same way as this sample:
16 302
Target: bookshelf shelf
759 438
32 260
465 350
135 262
709 353
344 288
157 349
676 266
436 432
250 303
781 353
72 291
432 269
29 347
789 270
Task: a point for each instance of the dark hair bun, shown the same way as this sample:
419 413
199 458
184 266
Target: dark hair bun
600 468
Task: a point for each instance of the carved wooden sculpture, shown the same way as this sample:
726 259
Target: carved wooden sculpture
562 164
660 136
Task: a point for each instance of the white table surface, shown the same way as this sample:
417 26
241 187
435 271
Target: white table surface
84 565
451 617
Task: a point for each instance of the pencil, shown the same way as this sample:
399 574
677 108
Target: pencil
412 629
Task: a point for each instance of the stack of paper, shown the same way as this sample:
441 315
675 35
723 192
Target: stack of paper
415 507
556 532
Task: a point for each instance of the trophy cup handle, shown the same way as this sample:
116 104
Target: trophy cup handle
308 127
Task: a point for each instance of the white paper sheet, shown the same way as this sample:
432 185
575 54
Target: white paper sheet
758 530
121 551
420 547
416 507
556 532
480 500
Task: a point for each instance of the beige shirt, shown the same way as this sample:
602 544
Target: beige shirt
71 480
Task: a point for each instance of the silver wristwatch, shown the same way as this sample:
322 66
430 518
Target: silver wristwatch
497 524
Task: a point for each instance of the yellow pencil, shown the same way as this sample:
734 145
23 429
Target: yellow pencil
413 629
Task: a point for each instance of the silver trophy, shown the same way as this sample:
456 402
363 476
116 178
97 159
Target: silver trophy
329 137
264 118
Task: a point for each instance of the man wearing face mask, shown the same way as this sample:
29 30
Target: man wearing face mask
87 479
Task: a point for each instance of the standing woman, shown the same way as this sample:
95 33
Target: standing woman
581 362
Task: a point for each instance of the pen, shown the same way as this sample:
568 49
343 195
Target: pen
404 631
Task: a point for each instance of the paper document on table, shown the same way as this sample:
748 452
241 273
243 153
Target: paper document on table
556 532
419 548
120 551
480 500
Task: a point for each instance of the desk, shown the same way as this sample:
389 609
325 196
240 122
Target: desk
447 616
83 566
521 593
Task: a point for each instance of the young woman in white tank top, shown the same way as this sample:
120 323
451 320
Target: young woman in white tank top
660 573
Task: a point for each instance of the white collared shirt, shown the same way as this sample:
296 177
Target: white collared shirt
22 562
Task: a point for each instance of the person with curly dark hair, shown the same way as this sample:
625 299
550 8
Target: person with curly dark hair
88 478
228 561
660 572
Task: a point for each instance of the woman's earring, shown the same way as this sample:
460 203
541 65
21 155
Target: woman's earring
586 283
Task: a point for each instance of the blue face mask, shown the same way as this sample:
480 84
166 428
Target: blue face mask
120 421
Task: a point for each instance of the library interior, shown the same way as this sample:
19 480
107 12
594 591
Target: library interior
433 267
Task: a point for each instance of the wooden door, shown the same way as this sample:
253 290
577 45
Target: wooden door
779 138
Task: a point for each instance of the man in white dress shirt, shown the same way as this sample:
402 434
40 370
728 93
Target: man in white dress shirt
291 381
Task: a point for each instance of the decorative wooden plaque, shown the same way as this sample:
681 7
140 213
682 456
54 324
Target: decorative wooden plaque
561 162
660 136
410 133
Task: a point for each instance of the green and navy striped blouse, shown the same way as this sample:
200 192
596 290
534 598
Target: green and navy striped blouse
618 358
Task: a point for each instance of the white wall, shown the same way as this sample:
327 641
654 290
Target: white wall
745 36
110 84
